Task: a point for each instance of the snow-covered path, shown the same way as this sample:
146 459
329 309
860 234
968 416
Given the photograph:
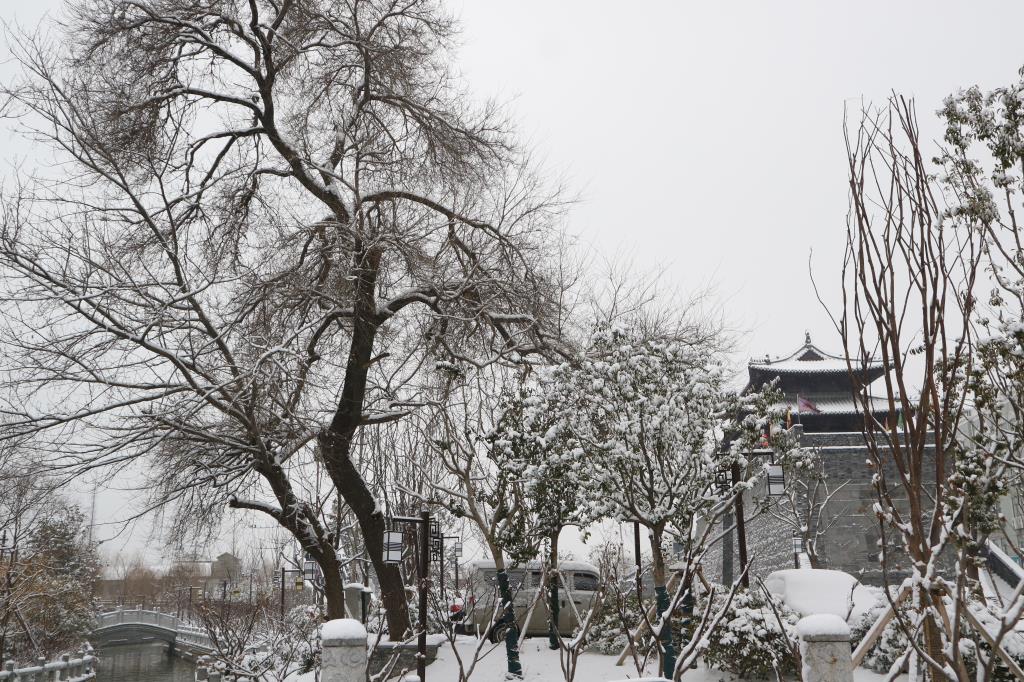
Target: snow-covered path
540 664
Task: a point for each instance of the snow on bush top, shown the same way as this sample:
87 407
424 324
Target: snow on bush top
810 591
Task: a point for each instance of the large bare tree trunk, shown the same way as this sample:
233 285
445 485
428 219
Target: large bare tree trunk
336 444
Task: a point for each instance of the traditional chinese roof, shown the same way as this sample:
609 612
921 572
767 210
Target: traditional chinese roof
822 380
807 358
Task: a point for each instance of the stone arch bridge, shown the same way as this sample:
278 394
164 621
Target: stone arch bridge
138 626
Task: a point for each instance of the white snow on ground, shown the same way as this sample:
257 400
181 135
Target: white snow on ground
540 664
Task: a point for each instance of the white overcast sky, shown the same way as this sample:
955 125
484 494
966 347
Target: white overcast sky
705 138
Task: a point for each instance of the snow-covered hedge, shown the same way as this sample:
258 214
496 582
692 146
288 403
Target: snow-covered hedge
893 643
750 642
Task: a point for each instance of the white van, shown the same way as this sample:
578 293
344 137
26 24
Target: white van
581 578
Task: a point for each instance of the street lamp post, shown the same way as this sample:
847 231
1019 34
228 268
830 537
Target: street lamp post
191 589
636 557
440 560
299 583
393 555
776 488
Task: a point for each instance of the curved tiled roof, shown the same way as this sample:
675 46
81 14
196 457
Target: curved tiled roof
808 358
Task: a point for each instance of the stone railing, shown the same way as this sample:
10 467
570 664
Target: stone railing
185 632
140 617
66 669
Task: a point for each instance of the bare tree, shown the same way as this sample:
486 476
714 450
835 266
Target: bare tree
910 274
491 497
806 506
263 220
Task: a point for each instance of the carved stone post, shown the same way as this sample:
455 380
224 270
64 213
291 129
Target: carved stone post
344 651
825 648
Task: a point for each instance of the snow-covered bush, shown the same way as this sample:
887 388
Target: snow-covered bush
607 635
749 641
893 643
889 646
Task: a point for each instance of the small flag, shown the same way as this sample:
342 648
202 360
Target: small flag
805 405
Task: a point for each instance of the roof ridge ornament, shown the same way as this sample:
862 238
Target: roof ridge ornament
807 337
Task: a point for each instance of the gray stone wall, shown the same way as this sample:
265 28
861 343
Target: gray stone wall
852 544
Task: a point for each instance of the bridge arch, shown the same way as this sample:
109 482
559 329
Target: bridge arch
138 626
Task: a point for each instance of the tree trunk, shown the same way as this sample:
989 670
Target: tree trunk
508 624
372 525
336 441
553 595
663 602
334 584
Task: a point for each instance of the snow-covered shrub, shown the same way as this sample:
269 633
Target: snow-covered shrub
893 643
1012 643
889 646
606 635
749 641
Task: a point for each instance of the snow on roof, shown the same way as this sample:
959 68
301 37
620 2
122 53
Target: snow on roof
807 358
836 405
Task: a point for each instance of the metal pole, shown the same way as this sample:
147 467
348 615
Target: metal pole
440 576
421 660
741 526
282 593
636 556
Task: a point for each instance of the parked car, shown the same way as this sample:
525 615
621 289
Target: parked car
582 580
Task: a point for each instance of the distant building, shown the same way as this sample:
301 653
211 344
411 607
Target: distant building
209 577
819 391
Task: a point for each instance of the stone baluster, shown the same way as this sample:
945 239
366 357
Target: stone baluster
215 676
202 673
825 649
65 672
344 651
